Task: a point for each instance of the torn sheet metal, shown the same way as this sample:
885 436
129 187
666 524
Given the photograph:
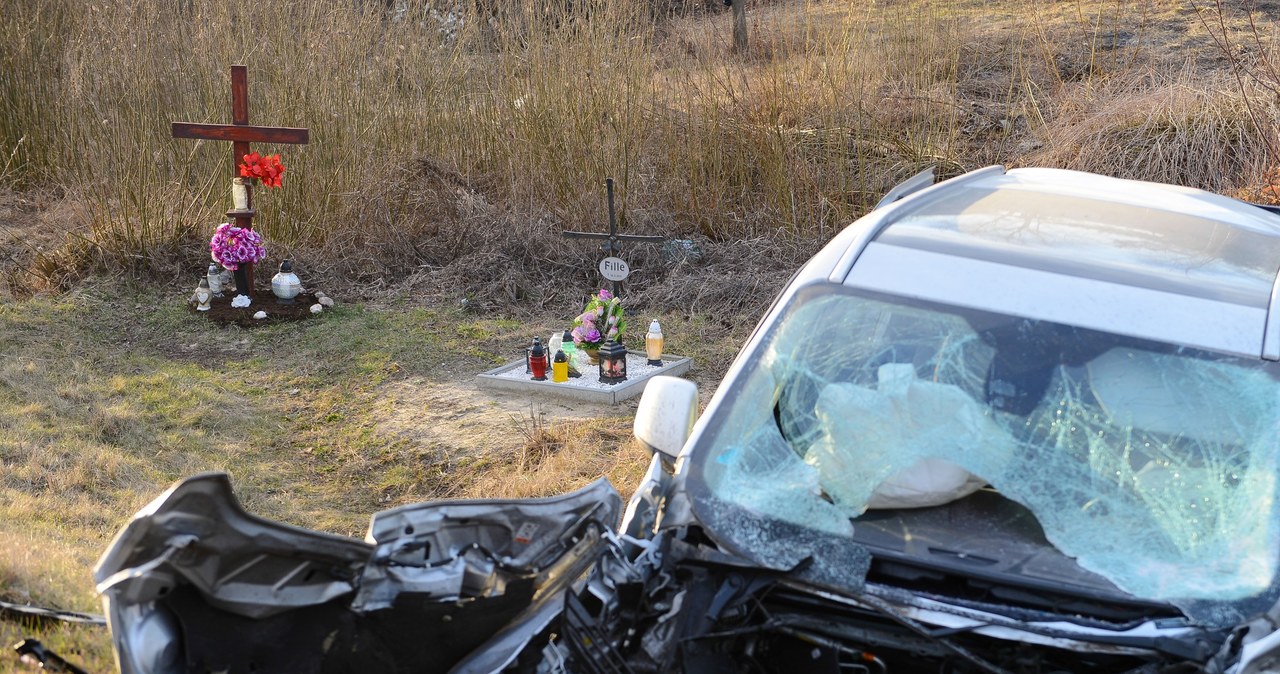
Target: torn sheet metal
193 573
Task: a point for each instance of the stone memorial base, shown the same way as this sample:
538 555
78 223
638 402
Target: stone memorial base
588 387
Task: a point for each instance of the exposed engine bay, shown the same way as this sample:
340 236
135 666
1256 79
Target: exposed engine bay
681 606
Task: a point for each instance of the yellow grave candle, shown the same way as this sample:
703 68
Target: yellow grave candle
560 367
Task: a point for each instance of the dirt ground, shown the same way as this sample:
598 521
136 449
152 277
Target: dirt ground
462 418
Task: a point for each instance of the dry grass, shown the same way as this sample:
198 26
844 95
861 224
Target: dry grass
556 458
437 141
1161 128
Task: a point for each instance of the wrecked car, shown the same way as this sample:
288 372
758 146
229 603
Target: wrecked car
1016 421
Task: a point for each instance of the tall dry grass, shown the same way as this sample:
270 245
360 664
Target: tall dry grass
441 129
530 103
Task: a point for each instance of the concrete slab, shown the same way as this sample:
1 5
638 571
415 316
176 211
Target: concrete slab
587 388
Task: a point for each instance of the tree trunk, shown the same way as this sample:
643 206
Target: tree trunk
740 26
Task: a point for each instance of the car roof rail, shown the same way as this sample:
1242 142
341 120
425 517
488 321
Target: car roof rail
915 183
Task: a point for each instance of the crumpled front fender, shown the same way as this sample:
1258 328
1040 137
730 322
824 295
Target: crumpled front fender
195 583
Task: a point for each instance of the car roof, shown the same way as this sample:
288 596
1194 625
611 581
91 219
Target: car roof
1139 258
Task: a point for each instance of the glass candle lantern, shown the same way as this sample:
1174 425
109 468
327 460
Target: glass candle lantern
286 284
570 352
202 296
554 342
560 368
653 344
537 360
613 363
239 194
214 277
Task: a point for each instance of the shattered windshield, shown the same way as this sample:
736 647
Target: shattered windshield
1152 465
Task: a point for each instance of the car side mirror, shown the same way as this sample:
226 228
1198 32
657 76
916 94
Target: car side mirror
666 414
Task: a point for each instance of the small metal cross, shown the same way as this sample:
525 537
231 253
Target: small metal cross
612 245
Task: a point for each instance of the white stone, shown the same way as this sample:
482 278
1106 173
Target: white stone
328 302
316 308
241 301
260 315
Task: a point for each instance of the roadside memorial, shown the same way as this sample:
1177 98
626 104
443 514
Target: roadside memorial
588 387
235 247
589 362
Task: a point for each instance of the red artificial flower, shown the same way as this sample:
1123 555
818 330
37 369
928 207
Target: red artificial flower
266 169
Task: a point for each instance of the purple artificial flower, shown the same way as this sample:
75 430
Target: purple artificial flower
591 335
587 318
613 332
604 295
613 320
233 246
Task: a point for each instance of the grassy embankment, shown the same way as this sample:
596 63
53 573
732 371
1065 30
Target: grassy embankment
438 156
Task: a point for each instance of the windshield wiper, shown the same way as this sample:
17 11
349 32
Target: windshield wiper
941 637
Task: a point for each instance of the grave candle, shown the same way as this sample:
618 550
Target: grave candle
538 360
554 342
239 194
560 368
613 363
653 343
215 280
570 350
202 295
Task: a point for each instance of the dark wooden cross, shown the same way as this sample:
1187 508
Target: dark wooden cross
612 246
241 134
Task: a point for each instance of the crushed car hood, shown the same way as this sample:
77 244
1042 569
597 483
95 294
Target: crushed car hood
195 583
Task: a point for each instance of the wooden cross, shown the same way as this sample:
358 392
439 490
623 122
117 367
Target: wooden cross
241 134
613 240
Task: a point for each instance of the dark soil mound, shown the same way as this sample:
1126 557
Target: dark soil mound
221 312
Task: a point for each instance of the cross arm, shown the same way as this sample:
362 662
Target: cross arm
241 133
617 237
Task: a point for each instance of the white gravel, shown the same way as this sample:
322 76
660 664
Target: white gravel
637 368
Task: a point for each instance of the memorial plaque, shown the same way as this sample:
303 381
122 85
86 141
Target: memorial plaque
614 269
